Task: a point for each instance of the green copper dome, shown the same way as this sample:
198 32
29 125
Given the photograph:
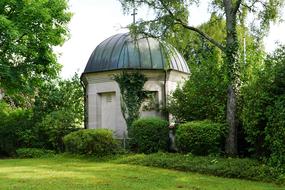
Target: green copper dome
121 51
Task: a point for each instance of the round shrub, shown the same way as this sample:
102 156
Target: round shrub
149 134
200 137
99 142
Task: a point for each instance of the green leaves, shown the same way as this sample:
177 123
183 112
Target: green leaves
132 94
28 32
200 137
61 95
98 142
263 109
150 134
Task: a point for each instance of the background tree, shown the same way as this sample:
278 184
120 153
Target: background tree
28 32
169 13
203 96
56 111
263 111
60 94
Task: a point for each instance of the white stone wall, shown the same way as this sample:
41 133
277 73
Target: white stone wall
101 84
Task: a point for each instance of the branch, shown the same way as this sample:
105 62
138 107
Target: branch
203 34
149 35
21 37
236 7
251 7
200 32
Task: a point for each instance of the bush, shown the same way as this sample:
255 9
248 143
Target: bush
54 127
33 153
15 126
200 137
275 133
224 167
203 95
99 142
149 135
262 114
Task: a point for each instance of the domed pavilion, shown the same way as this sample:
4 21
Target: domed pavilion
160 62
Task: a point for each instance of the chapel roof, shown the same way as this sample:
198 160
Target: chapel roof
123 51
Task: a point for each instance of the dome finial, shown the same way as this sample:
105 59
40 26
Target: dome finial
134 12
134 15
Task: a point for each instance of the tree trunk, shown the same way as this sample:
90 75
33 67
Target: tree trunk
231 140
232 62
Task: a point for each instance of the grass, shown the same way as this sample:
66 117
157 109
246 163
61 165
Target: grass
74 173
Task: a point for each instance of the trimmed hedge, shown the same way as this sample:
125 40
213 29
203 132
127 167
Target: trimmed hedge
33 153
99 142
200 137
241 168
149 134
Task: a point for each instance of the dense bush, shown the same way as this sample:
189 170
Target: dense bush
200 137
33 153
263 110
60 95
203 96
15 129
149 134
54 111
58 110
54 127
99 142
224 167
275 133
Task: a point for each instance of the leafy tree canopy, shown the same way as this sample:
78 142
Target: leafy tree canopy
169 13
28 31
203 96
60 95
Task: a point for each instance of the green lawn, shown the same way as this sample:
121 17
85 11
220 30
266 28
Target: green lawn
67 173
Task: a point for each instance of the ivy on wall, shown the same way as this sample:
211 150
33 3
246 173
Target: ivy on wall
132 94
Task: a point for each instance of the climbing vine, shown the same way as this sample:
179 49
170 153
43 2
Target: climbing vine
132 94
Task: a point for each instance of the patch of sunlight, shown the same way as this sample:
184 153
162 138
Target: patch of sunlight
41 173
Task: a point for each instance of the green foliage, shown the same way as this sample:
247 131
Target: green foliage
275 132
168 14
98 142
33 153
263 109
28 32
204 95
223 167
58 111
54 127
200 137
56 95
149 134
132 94
15 129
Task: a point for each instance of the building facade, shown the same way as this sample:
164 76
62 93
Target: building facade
163 66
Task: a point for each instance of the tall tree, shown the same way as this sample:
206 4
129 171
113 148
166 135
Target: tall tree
169 13
28 32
